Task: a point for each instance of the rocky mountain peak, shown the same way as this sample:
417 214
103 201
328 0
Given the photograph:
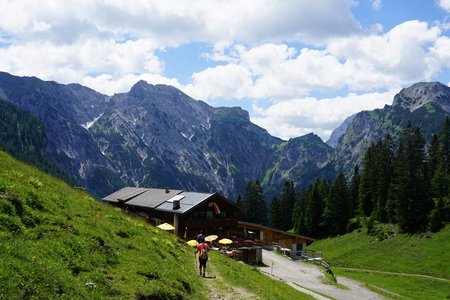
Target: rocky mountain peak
232 112
333 141
422 93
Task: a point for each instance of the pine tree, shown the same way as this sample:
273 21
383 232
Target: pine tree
368 183
288 198
336 213
410 186
439 190
253 202
354 191
276 215
242 211
399 183
384 164
445 144
434 155
314 207
298 215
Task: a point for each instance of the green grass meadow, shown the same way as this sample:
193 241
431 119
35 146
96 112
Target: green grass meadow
57 242
420 263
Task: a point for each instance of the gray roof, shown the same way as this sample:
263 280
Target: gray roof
124 194
144 197
189 201
153 197
158 199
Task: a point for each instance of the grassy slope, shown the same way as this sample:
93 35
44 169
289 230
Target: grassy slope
59 242
413 254
55 241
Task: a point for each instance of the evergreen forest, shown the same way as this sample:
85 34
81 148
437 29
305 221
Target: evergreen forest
405 184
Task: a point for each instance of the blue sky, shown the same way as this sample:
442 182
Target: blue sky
297 66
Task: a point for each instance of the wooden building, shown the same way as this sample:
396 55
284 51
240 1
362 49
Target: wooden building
292 244
188 212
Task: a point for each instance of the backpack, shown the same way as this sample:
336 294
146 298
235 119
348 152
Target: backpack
203 253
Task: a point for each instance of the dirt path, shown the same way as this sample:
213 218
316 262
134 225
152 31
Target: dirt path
219 289
309 279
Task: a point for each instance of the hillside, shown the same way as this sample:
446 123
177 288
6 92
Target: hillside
57 242
412 266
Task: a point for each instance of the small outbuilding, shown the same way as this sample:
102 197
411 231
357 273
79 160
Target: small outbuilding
291 244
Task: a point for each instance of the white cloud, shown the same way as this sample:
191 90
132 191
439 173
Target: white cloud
229 80
110 85
84 60
397 57
296 117
409 52
173 22
444 4
441 52
376 4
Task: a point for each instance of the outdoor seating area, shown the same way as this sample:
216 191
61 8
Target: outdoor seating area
236 248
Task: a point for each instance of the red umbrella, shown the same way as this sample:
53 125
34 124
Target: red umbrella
248 242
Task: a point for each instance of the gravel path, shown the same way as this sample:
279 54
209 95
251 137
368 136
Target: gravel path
308 279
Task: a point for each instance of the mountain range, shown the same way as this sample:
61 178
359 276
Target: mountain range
157 136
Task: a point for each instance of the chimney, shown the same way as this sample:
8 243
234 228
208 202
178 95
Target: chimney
167 190
176 204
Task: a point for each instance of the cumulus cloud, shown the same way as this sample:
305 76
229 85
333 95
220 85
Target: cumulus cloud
409 52
296 117
445 4
172 22
87 59
110 85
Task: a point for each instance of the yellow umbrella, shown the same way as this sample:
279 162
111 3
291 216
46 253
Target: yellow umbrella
192 243
211 238
225 241
166 226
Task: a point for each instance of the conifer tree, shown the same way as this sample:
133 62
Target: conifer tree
314 207
409 191
298 215
242 211
288 198
368 183
439 190
276 215
354 191
253 202
445 144
336 213
434 155
384 159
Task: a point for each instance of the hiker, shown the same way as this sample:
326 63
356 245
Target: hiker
200 237
202 250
